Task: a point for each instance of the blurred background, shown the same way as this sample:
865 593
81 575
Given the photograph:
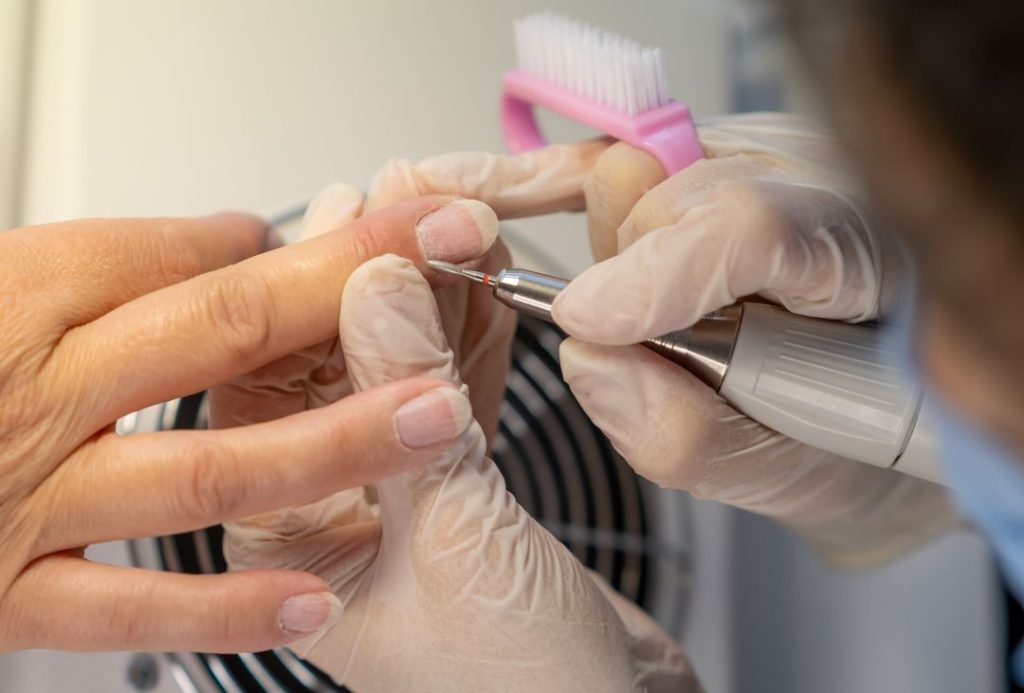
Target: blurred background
142 107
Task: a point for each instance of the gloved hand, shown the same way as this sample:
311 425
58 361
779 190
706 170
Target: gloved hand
767 213
477 327
445 583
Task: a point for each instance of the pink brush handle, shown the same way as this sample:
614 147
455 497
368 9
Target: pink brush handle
667 133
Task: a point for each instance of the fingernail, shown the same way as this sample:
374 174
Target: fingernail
308 613
433 417
459 231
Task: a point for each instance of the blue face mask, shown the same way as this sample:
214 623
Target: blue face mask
987 482
985 478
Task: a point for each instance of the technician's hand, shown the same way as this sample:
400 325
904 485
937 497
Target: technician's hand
767 214
445 583
100 318
477 327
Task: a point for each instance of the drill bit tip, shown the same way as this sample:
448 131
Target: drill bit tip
472 275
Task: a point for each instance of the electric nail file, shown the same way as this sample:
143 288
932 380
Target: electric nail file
825 383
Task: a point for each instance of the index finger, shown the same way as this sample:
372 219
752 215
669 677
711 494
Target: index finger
539 181
214 327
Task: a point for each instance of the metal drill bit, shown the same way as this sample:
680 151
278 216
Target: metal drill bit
473 275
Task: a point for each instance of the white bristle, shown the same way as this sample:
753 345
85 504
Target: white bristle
591 62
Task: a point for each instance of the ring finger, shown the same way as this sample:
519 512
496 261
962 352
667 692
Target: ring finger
164 483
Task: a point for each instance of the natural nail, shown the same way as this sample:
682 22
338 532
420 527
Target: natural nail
433 417
308 613
459 231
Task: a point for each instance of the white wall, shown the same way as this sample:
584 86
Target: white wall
14 35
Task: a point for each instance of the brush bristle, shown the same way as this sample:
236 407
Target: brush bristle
590 62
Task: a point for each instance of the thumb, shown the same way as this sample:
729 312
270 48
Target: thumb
802 247
676 431
621 176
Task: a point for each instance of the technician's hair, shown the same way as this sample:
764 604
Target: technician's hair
962 62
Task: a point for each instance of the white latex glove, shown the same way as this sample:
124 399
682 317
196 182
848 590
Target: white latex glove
447 585
767 213
478 328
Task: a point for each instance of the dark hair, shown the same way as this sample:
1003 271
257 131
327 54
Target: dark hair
961 61
964 61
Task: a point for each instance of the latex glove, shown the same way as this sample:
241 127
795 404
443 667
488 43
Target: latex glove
448 585
768 213
478 328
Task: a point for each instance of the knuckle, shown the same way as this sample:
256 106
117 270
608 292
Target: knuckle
369 242
130 620
213 488
239 308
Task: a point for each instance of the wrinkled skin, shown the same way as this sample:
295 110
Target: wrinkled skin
101 317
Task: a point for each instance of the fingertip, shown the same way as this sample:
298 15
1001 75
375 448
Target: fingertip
621 176
394 181
253 228
302 614
238 218
604 305
436 416
461 230
264 608
600 380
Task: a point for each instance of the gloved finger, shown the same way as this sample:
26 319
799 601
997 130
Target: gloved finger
660 663
470 553
480 331
675 431
669 201
68 603
535 182
88 267
390 327
215 327
764 146
789 141
335 537
800 246
171 482
622 175
332 208
669 426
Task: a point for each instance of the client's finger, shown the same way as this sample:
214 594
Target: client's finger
86 268
212 328
306 378
68 603
170 482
